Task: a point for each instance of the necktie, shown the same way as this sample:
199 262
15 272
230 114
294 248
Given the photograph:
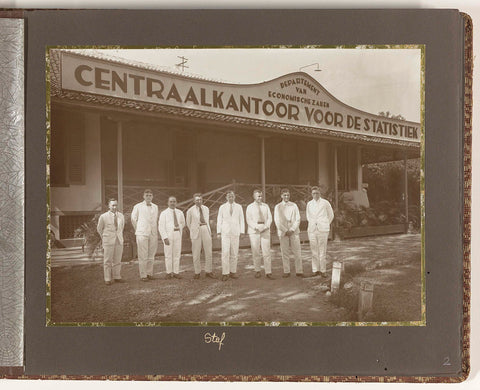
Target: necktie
175 220
231 208
115 221
260 214
202 219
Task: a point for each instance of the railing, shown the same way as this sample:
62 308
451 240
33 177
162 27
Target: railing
213 199
210 199
298 193
133 194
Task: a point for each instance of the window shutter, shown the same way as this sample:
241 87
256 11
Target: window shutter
58 168
76 163
58 150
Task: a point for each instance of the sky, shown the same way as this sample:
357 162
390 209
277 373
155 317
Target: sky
371 80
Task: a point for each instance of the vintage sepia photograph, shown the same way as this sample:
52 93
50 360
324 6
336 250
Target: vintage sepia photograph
272 186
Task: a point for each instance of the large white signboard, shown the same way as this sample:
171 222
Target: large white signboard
295 98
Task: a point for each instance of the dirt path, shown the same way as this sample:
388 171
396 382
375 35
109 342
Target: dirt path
79 294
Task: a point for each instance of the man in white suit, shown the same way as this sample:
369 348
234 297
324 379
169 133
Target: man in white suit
259 219
287 220
144 220
199 225
319 216
110 227
170 226
230 224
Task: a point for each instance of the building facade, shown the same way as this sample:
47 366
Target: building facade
119 127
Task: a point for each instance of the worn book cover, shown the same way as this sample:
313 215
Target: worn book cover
222 195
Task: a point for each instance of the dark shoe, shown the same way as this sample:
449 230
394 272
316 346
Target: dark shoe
270 276
224 278
197 276
169 276
324 274
286 275
210 275
108 282
233 275
177 276
258 275
144 279
300 275
119 280
150 277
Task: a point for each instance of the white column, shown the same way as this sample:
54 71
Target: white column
91 195
335 176
359 168
335 190
120 165
405 189
262 154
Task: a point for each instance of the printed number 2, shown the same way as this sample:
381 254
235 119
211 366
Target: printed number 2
446 361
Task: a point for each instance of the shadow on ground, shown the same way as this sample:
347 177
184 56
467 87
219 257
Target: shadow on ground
391 263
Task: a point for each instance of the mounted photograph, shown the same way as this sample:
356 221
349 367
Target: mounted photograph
270 186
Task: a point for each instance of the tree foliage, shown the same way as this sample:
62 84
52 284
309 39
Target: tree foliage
386 181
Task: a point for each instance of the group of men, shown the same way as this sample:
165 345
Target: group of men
230 225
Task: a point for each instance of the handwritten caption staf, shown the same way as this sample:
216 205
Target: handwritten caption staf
214 339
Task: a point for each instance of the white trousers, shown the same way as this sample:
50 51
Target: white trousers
173 252
203 240
261 242
229 253
318 245
290 245
146 248
112 261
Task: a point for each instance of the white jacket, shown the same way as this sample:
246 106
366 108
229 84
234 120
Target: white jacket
230 225
253 217
106 228
166 224
287 218
193 220
144 219
319 215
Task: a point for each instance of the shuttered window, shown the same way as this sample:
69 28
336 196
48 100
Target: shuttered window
76 156
58 156
67 149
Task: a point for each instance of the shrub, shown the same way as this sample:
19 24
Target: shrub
379 214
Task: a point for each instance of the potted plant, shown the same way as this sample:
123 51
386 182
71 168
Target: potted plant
92 242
